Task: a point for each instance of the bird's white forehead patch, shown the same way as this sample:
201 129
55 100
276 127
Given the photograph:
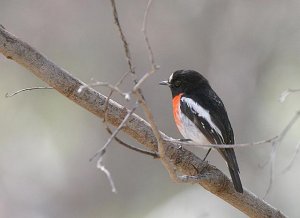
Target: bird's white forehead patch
171 77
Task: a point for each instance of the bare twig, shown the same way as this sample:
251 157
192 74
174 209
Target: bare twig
123 38
154 67
98 83
275 145
289 166
8 95
106 84
103 149
153 154
160 142
144 30
101 166
139 150
272 168
131 70
123 77
138 93
191 144
286 93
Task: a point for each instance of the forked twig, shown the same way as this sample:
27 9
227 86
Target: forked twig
101 151
161 149
152 154
137 91
275 145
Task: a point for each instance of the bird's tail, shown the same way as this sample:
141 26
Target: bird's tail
229 156
236 180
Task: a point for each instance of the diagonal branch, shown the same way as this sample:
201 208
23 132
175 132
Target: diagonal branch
136 127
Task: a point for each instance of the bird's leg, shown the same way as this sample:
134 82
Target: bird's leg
207 153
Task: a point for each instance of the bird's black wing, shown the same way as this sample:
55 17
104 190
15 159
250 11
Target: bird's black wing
196 110
201 123
211 102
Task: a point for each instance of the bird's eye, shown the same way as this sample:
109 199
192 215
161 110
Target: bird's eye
177 83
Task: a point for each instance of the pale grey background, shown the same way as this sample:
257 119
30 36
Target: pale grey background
249 50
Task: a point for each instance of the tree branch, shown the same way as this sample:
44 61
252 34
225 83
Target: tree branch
137 128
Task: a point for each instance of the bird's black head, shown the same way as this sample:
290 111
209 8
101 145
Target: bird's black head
184 81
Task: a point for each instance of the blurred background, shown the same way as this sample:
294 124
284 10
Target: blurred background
249 51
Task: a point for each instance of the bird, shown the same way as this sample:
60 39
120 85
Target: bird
201 117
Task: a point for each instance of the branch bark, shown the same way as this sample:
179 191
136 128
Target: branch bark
185 161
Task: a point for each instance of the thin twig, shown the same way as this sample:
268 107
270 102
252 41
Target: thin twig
154 66
160 141
275 145
102 150
286 93
123 38
8 95
106 111
144 30
138 91
106 84
131 70
289 166
272 168
146 109
101 166
191 144
123 77
152 154
80 89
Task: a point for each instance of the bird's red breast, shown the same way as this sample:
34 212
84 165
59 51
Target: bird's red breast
176 108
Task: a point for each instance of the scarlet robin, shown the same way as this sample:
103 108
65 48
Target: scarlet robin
200 116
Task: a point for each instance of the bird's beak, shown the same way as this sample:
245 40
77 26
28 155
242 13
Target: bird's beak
165 83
